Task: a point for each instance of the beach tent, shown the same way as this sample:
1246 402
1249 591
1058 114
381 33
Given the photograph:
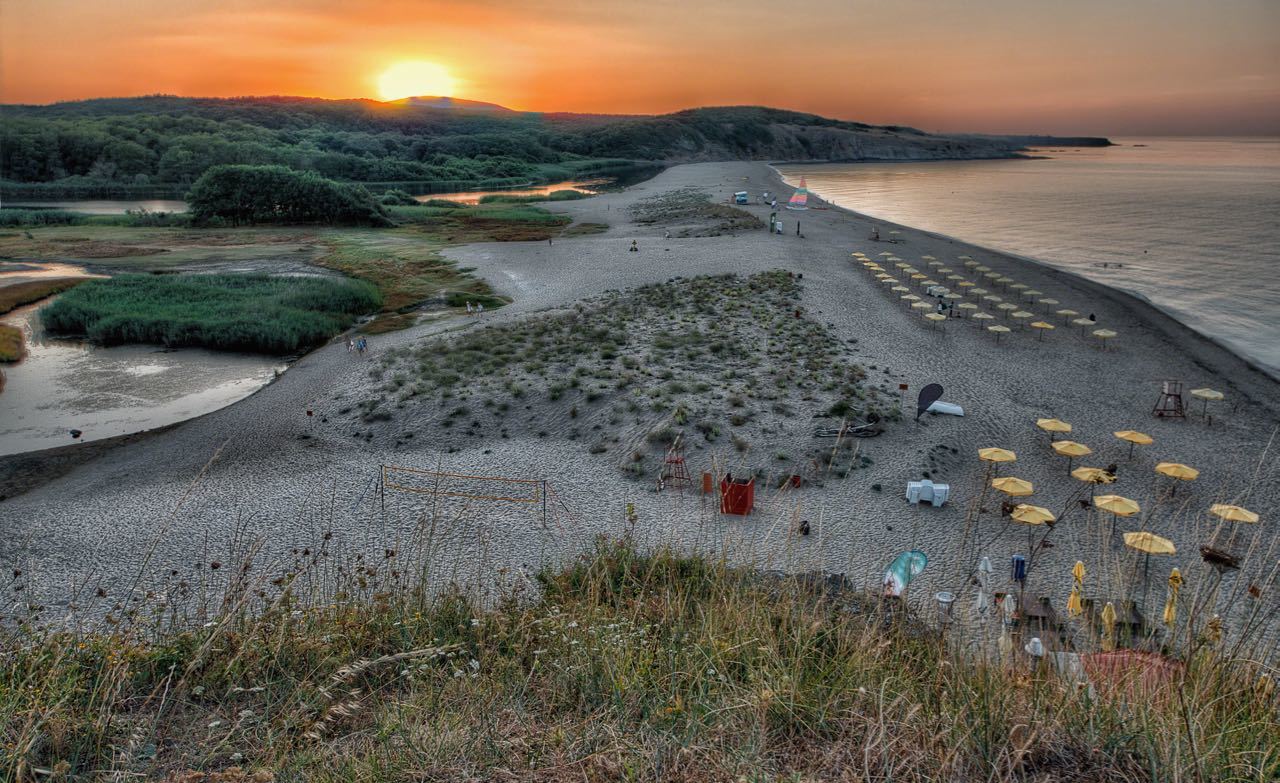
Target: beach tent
800 199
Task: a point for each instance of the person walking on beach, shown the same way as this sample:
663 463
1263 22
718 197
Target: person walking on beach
634 247
479 308
351 345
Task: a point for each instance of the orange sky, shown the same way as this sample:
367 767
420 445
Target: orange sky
1119 67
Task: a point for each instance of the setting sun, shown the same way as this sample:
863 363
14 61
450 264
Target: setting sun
415 77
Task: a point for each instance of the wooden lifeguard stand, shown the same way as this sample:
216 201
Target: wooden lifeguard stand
1169 406
675 473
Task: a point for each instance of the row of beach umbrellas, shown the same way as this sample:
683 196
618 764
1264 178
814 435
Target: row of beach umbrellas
1014 311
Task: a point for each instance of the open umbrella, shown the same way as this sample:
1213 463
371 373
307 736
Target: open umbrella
1171 603
1177 471
1053 426
1207 395
967 284
993 454
1041 327
1013 487
1020 314
1134 438
1103 335
1075 603
999 330
1028 514
1109 627
1070 449
1083 323
936 318
1233 513
1066 315
982 317
922 305
1148 544
1117 506
1048 302
1093 475
910 298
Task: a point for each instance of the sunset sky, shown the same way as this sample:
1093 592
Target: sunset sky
1112 67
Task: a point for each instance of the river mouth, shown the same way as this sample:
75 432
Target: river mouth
101 392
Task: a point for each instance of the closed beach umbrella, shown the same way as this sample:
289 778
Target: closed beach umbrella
1041 327
1134 438
1070 449
1233 513
1075 603
999 331
1108 627
1171 603
1207 395
1013 487
983 600
1053 426
1178 471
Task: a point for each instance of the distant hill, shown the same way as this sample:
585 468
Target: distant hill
158 145
437 102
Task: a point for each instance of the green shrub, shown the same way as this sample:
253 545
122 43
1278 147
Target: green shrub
242 194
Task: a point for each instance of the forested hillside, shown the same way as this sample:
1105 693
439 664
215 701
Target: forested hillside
106 146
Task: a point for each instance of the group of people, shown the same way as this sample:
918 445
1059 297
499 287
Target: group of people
357 345
475 309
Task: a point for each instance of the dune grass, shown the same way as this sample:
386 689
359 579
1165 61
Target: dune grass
624 665
276 315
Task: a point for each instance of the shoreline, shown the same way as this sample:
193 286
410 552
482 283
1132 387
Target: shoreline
264 463
1077 279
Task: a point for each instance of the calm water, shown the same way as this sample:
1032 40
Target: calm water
68 384
104 206
1196 223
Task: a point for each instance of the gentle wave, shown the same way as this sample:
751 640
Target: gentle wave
1194 225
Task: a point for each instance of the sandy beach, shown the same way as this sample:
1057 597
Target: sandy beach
263 473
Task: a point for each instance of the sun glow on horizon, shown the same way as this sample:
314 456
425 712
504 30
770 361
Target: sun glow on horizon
410 78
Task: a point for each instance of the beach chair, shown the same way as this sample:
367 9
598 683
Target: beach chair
927 492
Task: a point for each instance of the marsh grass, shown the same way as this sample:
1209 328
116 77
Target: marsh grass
19 294
625 664
277 315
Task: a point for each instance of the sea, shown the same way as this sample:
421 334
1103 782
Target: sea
1190 225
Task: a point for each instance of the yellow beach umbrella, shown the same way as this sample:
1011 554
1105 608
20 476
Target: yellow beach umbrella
967 306
1207 395
1149 543
994 454
1013 487
1053 426
899 288
1070 449
1108 627
1134 438
1028 514
1093 476
1075 603
999 331
967 284
1233 513
1178 471
936 318
1171 603
922 305
1041 327
892 281
910 298
1117 505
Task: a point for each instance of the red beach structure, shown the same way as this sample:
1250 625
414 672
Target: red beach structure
737 497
